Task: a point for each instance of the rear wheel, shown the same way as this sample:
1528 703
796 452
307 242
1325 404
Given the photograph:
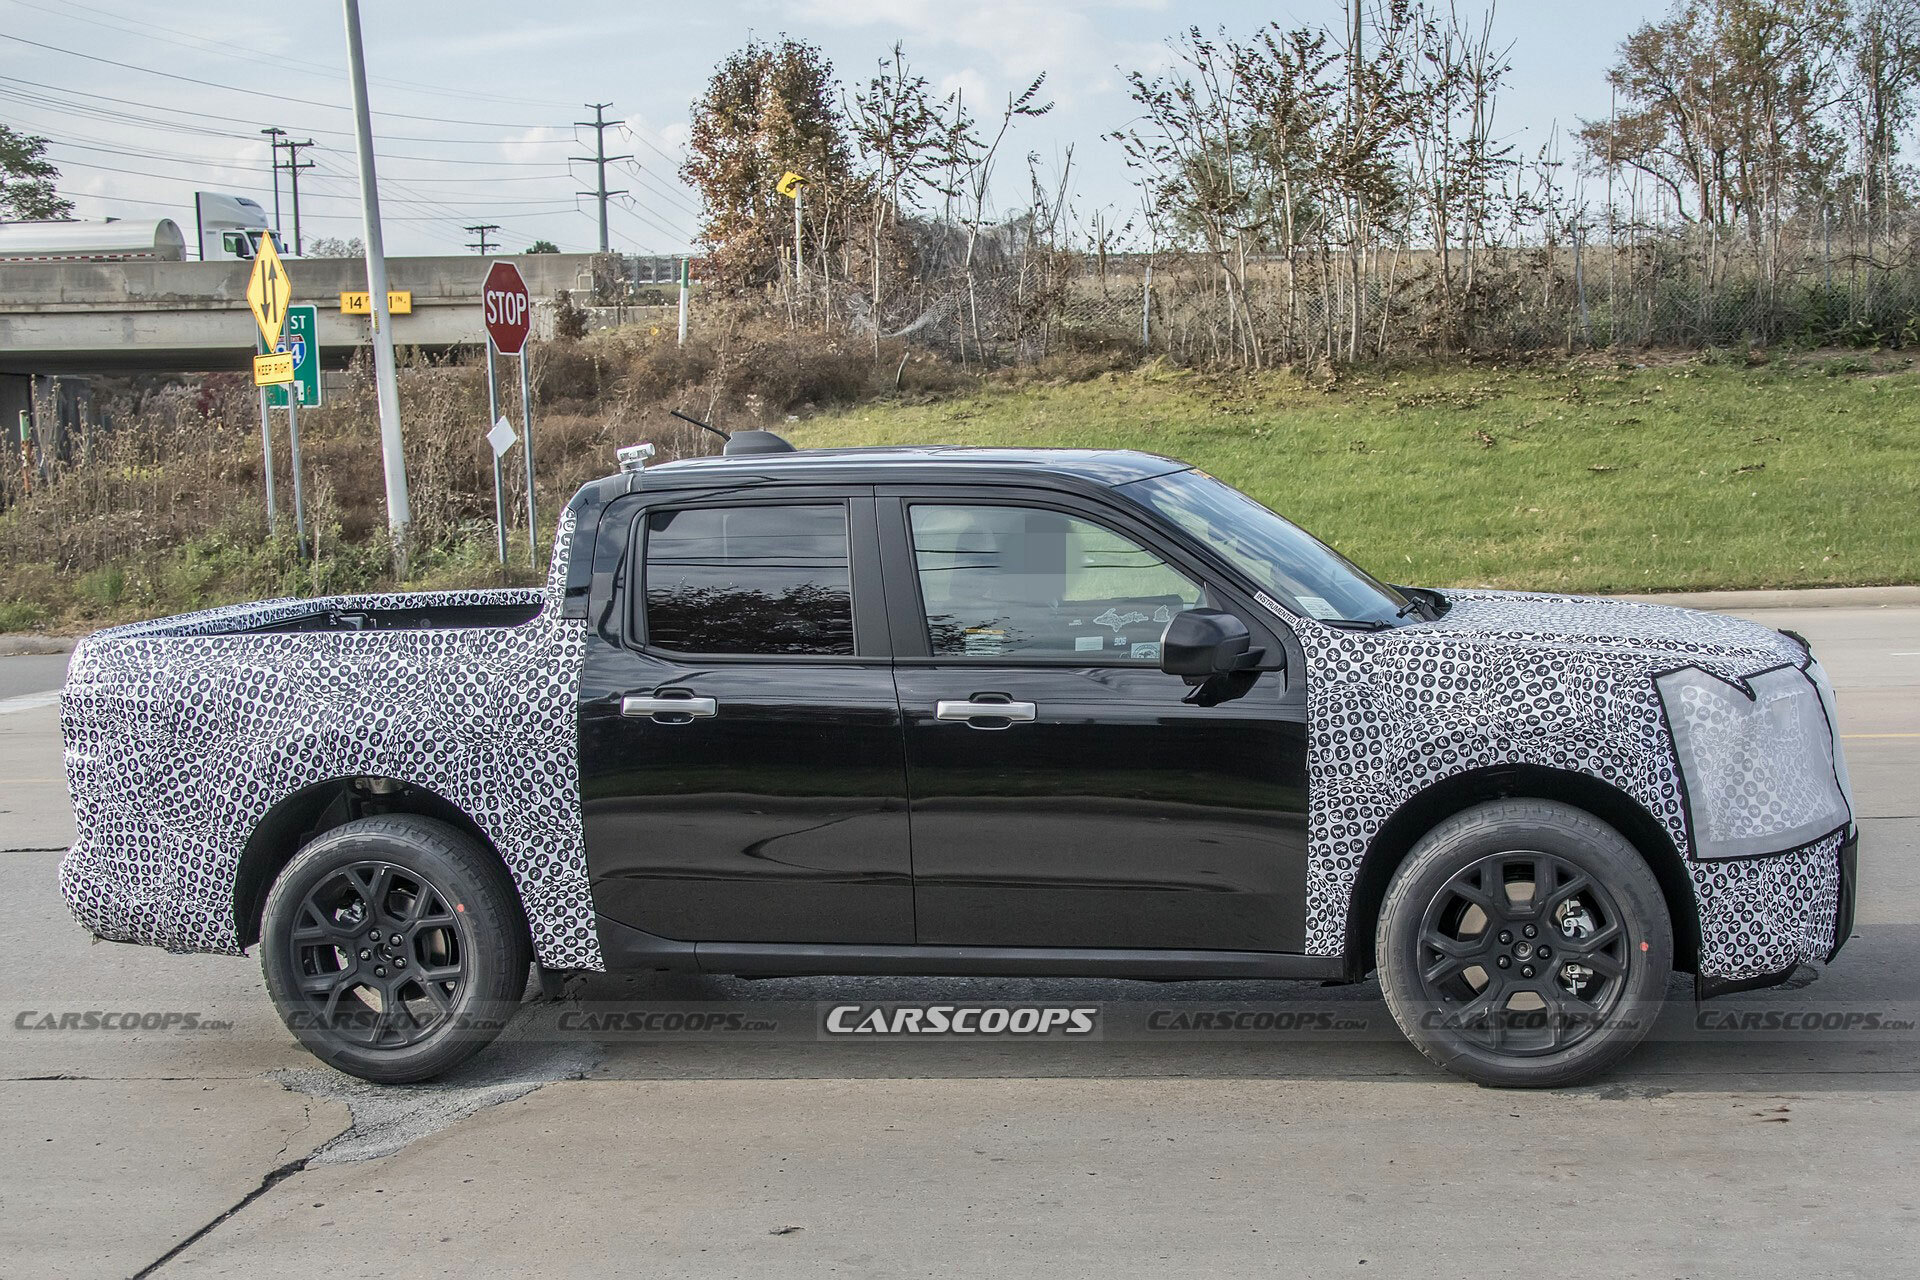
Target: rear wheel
394 948
1524 943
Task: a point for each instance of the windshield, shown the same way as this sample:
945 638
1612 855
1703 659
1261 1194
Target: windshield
1281 557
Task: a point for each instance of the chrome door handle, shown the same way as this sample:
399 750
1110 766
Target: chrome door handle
967 712
637 704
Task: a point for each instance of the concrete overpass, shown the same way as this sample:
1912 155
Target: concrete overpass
192 317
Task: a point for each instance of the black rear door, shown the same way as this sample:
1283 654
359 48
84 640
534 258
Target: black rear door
742 772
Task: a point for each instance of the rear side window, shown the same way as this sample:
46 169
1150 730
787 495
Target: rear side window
750 580
1004 581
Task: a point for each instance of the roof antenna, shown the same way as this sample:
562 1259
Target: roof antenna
704 426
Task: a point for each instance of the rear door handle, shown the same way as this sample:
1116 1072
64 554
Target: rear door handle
1008 713
641 704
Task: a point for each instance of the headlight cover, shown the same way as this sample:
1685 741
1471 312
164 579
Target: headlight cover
1761 771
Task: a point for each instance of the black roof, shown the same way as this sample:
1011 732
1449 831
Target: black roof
910 463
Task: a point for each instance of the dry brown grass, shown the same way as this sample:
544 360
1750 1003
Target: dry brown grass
164 509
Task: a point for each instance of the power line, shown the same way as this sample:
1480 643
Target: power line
599 159
227 48
262 93
143 122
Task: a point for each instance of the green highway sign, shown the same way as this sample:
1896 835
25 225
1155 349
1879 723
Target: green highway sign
302 338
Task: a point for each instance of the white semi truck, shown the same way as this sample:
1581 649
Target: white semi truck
227 227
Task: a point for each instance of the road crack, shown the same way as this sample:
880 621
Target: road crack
273 1178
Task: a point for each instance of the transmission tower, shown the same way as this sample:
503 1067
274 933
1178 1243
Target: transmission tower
600 159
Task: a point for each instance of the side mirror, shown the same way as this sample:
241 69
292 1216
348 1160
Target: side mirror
1202 643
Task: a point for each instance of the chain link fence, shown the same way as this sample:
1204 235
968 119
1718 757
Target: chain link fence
1650 289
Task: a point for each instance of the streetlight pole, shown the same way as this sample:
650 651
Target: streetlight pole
393 452
273 136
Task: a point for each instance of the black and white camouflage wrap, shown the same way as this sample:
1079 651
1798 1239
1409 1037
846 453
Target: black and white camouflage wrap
181 736
1575 683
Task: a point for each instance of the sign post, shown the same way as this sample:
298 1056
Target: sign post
501 438
266 461
268 292
493 416
507 309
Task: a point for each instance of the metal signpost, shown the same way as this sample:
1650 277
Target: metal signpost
501 439
268 292
507 310
301 341
494 438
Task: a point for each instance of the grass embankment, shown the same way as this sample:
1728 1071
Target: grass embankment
1581 477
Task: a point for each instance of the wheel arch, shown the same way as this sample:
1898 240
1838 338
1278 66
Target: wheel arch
318 808
1402 831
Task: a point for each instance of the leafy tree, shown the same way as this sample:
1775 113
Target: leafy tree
768 109
1726 107
916 147
543 246
26 179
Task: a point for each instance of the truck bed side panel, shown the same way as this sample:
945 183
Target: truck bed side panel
180 739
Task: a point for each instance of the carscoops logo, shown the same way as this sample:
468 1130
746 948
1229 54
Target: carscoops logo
959 1020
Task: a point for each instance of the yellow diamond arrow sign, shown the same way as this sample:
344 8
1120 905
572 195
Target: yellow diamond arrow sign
268 291
789 184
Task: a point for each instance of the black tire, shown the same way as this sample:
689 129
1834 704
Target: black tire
395 948
1463 980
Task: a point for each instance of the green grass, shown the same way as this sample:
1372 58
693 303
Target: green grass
1581 477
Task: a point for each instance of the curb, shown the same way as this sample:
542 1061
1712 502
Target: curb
20 645
1792 598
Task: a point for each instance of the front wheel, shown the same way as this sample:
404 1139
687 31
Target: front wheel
1524 943
394 947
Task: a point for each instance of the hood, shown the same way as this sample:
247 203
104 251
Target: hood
1599 624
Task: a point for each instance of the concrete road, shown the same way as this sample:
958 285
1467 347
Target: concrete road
1323 1148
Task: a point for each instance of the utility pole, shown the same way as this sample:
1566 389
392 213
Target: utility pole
600 159
273 136
392 451
481 246
294 166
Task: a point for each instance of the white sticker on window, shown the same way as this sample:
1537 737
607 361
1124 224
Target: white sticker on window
1317 607
1088 642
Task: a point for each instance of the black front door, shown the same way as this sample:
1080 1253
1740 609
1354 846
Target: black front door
742 776
1063 794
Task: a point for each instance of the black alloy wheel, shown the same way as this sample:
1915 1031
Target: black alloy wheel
1524 943
1525 952
395 947
378 954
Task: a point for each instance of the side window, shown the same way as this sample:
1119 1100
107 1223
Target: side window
1021 581
756 580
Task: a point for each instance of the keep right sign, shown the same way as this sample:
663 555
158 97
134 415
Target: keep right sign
506 308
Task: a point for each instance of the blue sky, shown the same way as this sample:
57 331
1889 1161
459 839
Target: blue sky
477 99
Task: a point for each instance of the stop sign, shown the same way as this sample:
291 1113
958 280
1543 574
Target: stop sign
507 309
